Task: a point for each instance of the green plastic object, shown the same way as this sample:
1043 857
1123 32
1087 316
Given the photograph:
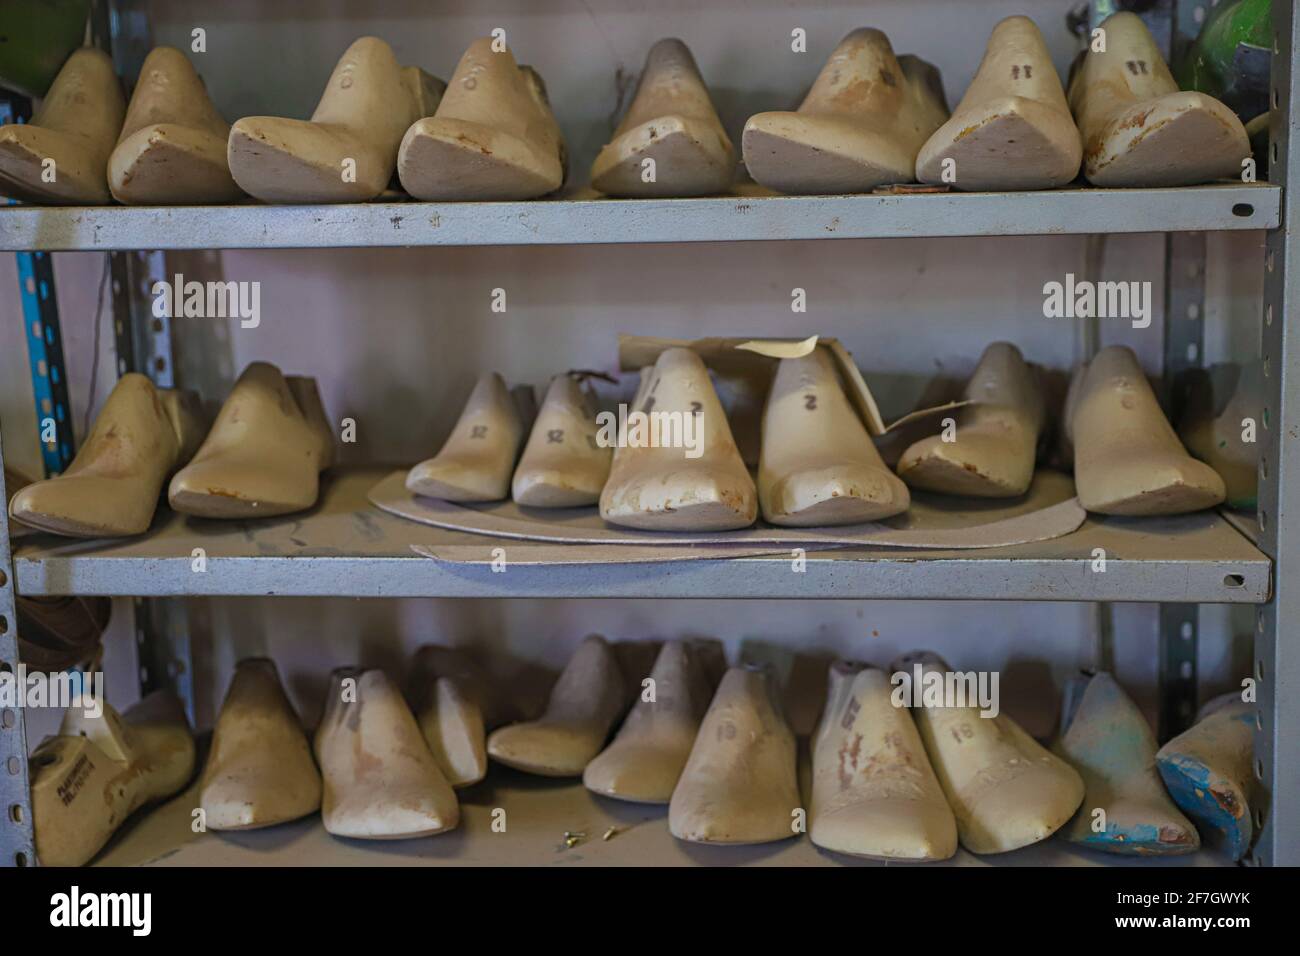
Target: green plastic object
36 37
1230 60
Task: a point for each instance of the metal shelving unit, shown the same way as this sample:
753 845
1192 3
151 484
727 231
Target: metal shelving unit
346 548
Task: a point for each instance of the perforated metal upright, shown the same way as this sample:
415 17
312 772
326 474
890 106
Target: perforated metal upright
142 339
17 842
1277 657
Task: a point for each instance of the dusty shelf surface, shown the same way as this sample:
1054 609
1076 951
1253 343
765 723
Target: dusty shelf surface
346 547
746 215
537 813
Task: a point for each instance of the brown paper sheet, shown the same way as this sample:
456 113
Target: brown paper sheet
746 367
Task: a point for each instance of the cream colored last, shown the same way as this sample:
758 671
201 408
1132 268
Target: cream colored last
860 126
661 487
564 464
476 461
874 792
670 142
818 464
260 770
381 781
99 769
994 442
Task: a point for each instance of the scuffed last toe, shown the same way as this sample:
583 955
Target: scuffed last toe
672 124
1138 129
1207 771
1125 808
61 156
1156 144
493 137
1013 128
173 143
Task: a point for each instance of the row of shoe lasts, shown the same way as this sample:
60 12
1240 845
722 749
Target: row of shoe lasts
262 457
887 783
871 119
489 135
818 466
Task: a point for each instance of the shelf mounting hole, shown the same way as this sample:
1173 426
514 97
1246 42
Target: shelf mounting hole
1234 581
1243 210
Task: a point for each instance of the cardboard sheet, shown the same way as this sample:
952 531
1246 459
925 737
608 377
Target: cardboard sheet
744 368
1048 510
541 552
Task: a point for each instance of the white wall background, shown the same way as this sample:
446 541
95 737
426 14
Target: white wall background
396 337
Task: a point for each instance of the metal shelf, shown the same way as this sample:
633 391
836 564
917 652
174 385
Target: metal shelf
1230 206
539 812
345 547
